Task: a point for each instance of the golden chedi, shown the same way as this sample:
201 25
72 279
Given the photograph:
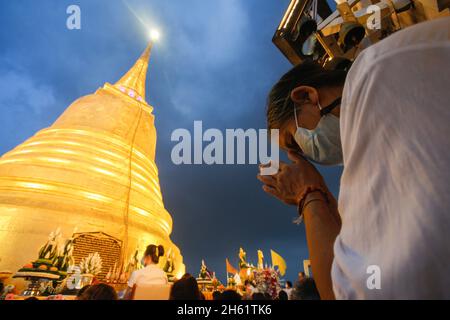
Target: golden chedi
94 170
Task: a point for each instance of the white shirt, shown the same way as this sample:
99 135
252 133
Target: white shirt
395 189
289 292
151 274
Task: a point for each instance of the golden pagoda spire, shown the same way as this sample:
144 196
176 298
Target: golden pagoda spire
134 79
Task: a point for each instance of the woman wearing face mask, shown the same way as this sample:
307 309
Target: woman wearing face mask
309 129
389 127
151 274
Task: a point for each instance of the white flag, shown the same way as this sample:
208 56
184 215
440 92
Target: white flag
237 279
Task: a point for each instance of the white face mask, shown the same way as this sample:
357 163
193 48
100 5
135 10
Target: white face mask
322 144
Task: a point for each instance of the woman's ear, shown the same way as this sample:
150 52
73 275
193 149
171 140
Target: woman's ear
305 93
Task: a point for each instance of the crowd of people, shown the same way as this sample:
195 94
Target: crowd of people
187 288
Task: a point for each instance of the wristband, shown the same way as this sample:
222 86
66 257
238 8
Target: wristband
303 203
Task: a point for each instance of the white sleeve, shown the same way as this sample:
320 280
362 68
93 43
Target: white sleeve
132 280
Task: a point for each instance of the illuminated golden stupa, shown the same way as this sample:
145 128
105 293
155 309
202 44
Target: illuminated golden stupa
94 170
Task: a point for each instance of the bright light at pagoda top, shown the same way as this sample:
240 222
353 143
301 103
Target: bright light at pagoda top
154 35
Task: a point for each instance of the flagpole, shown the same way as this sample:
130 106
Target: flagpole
226 265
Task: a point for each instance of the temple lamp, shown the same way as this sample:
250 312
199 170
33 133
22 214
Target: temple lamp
351 34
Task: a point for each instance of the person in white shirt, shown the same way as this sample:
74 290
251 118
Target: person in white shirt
288 289
389 125
151 274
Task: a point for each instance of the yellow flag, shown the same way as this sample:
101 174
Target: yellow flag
277 260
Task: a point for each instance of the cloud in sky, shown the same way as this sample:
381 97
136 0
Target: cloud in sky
20 92
24 105
199 40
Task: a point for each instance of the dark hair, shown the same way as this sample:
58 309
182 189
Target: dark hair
306 290
279 104
216 295
230 295
31 299
259 296
100 291
154 252
289 284
282 295
82 290
185 289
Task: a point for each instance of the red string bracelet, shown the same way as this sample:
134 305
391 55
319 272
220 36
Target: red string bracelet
301 204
